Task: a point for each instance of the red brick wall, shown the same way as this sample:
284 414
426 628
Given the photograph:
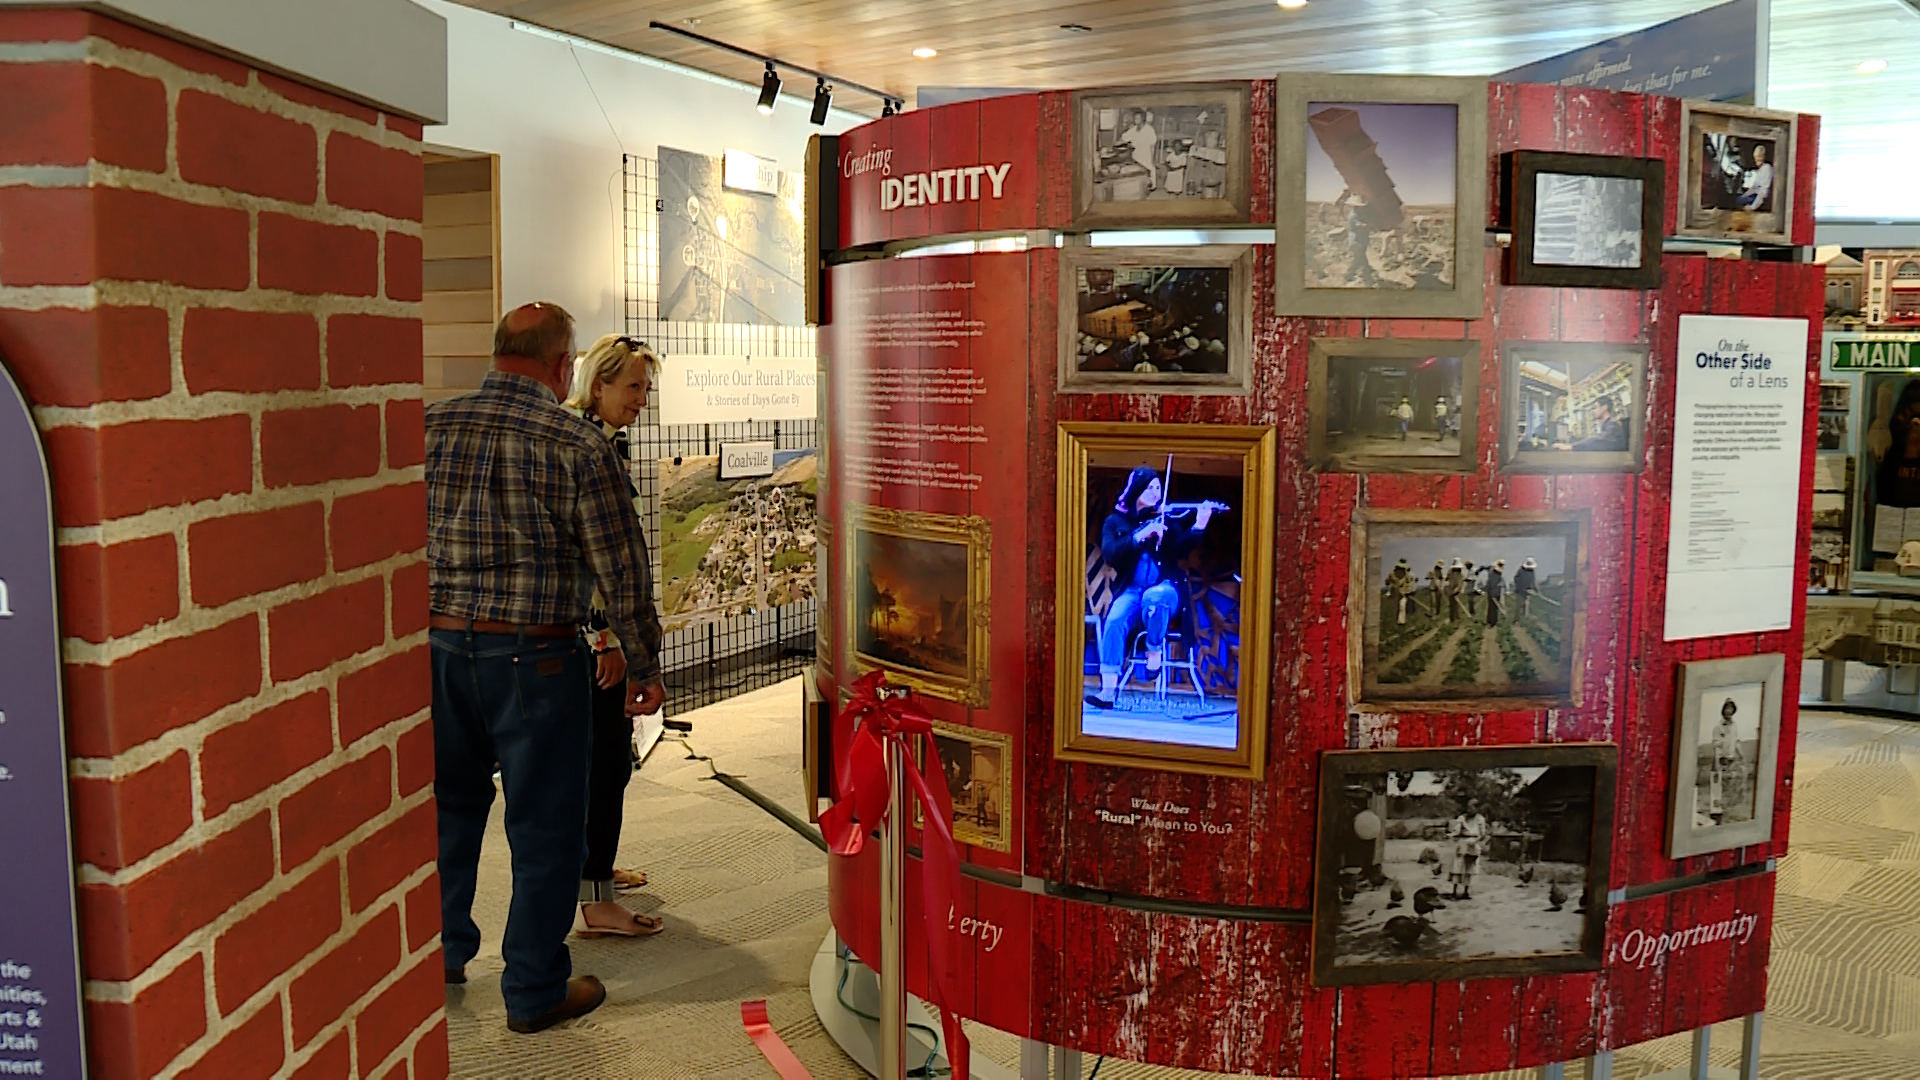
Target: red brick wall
195 292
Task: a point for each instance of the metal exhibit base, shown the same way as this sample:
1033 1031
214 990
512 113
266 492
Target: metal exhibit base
859 1036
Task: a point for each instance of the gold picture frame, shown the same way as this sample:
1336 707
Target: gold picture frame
921 657
1176 729
982 809
1436 657
1229 283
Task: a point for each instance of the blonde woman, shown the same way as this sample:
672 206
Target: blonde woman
610 388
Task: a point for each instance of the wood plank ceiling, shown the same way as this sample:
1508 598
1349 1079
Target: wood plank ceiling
1816 45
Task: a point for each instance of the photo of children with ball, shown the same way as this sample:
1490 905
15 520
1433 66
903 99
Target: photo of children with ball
1486 859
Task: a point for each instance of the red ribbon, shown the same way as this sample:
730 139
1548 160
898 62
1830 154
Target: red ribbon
883 715
753 1015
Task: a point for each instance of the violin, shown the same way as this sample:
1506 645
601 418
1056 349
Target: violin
1183 509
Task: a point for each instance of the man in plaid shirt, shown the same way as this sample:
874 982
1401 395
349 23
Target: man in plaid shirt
528 509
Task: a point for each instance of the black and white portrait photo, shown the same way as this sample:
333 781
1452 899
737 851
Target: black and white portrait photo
1739 172
1161 152
1488 863
1727 753
1587 220
1724 750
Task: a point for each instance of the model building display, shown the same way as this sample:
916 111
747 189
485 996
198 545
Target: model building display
1393 404
1150 154
729 547
1725 750
1465 610
1164 529
1147 319
1382 195
1450 864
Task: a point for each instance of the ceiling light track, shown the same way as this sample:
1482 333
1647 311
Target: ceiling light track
825 83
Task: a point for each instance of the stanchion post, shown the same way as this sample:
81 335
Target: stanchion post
893 953
1750 1046
1702 1043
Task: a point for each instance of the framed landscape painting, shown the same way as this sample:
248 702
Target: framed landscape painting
1462 863
1156 320
1380 196
1726 750
918 603
1467 611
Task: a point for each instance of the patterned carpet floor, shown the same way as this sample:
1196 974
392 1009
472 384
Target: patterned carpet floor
745 903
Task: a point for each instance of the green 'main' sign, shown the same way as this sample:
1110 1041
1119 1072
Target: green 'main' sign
1875 353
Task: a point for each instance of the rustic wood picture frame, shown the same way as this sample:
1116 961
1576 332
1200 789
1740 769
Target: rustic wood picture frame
1516 457
1365 684
1235 202
969 832
975 534
1700 118
1522 169
1341 771
1685 837
1324 354
1294 94
1253 447
1237 379
823 584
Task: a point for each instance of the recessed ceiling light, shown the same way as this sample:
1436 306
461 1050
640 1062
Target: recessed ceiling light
1292 5
925 53
1872 67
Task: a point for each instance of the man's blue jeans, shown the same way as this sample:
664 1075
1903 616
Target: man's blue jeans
521 702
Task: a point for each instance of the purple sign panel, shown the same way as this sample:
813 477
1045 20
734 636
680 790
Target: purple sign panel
39 952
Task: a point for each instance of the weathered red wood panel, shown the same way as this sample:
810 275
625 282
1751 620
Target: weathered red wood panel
1234 995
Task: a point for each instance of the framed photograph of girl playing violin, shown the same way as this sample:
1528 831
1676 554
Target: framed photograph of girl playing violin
1163 529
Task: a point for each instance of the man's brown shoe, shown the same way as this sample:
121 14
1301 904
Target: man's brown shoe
584 994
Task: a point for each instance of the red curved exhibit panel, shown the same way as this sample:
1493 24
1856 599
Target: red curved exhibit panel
1322 618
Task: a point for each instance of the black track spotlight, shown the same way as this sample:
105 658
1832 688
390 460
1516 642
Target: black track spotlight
822 100
887 109
769 91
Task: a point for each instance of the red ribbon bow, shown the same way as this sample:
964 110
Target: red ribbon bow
881 715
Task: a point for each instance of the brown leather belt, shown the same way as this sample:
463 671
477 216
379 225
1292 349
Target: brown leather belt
487 626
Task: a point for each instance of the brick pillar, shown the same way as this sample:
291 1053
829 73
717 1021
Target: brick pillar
209 288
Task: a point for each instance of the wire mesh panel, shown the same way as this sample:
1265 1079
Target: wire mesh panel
717 657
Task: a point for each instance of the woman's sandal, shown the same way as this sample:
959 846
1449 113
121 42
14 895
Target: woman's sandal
638 926
628 880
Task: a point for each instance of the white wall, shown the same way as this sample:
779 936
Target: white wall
523 97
